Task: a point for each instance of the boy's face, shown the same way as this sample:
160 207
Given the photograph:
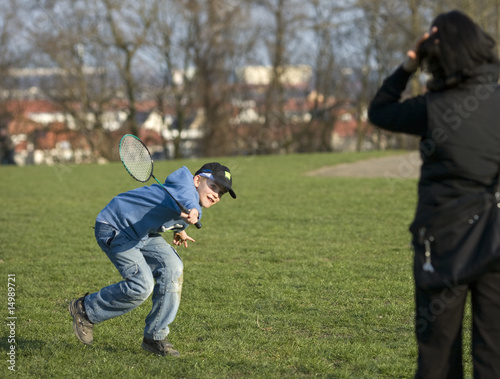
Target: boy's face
209 190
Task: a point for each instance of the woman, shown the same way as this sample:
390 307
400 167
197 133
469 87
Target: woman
458 120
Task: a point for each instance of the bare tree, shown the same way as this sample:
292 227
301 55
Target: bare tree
128 26
283 20
214 28
324 22
10 24
175 88
81 84
12 55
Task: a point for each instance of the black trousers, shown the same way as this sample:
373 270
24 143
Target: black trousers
439 324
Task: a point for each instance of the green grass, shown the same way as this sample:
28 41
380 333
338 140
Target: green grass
298 277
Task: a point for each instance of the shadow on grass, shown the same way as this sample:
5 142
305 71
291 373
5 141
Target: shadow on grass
20 344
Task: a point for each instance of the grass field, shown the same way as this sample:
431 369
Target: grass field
298 277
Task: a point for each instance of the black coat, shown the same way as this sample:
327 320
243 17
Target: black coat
459 129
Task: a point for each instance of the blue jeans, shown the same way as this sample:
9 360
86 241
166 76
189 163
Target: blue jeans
148 266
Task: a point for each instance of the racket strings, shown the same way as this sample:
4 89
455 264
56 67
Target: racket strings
136 159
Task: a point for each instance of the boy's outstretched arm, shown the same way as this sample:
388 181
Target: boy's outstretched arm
181 238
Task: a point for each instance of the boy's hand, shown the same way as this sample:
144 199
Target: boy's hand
192 217
181 238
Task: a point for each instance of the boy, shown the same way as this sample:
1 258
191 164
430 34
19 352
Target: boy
127 231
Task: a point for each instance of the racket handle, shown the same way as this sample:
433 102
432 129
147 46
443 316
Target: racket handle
185 210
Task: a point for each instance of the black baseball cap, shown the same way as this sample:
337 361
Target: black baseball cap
221 174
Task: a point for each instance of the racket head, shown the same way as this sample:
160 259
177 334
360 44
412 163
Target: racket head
136 158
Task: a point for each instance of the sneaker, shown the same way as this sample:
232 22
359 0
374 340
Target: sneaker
82 326
159 347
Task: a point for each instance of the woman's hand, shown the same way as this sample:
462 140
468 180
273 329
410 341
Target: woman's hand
411 62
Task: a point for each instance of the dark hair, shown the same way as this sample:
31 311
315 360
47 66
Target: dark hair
451 54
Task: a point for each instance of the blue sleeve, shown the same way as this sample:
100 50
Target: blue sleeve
387 111
181 186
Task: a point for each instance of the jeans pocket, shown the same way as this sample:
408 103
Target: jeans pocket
105 234
110 239
129 271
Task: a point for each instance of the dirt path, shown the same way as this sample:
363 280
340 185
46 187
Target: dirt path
398 166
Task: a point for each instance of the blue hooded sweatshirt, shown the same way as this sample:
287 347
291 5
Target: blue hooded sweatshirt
150 209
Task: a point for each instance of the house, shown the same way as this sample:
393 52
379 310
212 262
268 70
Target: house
39 131
291 75
44 134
